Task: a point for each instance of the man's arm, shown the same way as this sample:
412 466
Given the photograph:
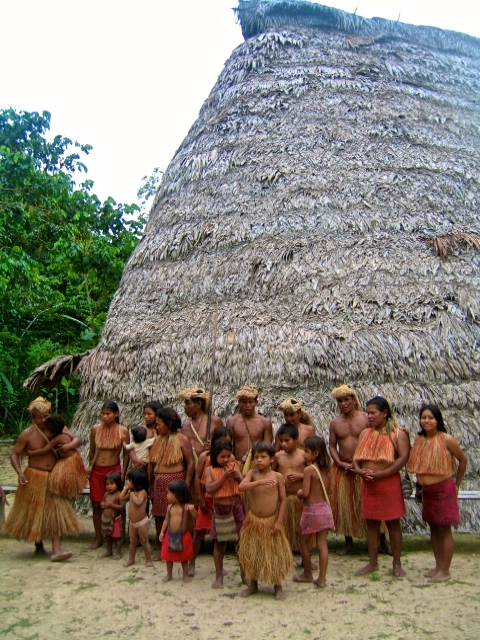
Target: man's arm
18 450
332 447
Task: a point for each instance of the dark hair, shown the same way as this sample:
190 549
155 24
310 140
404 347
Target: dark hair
318 444
381 404
218 446
201 401
222 432
115 477
112 406
437 414
55 423
288 430
169 417
153 404
139 434
139 479
264 447
180 490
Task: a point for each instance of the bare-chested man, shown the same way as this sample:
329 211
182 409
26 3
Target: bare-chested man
196 404
106 443
248 427
294 413
346 496
37 513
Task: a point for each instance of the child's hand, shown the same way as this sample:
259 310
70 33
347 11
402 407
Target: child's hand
294 477
160 537
103 505
277 527
269 482
190 507
231 472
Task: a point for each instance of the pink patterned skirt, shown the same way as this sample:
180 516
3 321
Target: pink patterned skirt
316 516
159 500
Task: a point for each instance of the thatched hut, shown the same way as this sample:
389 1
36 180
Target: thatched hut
326 198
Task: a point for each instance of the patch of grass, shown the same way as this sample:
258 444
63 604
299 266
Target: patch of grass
351 589
22 623
132 580
374 577
11 595
85 586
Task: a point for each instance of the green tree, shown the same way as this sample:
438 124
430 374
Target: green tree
62 252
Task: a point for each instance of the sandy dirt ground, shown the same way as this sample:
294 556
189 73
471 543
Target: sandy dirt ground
91 598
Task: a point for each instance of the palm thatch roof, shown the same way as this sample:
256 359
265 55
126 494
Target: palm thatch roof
331 160
50 374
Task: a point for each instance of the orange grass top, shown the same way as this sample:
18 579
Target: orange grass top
230 487
108 437
166 450
376 446
431 456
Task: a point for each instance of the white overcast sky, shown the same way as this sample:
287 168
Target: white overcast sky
129 78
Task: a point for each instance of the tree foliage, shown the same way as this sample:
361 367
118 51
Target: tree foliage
62 252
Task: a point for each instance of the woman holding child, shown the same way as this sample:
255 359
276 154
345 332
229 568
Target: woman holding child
382 451
171 458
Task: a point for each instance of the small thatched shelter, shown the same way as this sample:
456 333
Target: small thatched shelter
327 199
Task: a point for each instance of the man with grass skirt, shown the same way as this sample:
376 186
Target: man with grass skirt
37 513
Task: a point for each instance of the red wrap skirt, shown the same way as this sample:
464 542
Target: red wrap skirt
382 499
97 480
440 504
178 556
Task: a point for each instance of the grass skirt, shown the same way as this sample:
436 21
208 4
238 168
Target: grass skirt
37 514
68 477
346 500
291 523
263 556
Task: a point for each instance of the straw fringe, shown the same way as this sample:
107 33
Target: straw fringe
291 523
37 514
375 446
264 557
68 477
346 502
430 455
166 451
108 437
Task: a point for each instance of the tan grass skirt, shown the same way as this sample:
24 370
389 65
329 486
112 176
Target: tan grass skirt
347 503
37 514
263 556
291 523
68 477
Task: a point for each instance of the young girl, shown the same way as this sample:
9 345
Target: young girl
135 492
433 459
107 440
317 517
176 535
205 501
113 509
221 481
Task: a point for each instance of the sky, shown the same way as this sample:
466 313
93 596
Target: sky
129 78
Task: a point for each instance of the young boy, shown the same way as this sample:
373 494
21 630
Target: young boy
290 462
263 551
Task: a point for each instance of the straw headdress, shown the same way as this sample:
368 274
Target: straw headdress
195 393
39 406
292 405
344 390
247 391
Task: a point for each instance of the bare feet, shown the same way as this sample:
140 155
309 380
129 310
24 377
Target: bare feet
107 554
129 563
149 563
344 550
167 578
302 577
61 556
40 549
95 545
368 568
117 556
440 577
250 590
279 593
319 583
191 568
431 573
398 571
157 558
218 584
187 578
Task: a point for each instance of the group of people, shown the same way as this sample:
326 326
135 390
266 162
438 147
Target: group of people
274 496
